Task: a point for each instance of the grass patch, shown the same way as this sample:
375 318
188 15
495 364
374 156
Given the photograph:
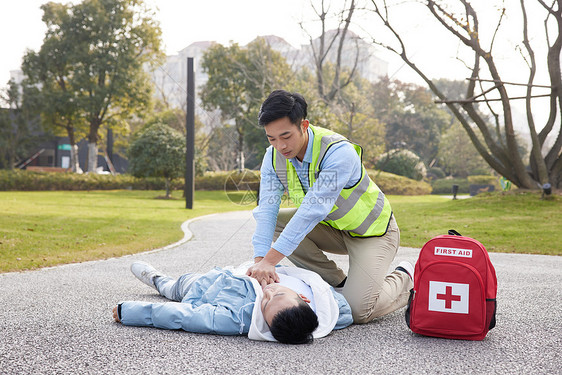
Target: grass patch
516 222
39 229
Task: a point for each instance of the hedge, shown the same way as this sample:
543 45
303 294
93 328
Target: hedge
388 182
21 180
38 181
229 180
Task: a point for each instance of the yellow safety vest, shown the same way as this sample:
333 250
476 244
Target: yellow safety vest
361 210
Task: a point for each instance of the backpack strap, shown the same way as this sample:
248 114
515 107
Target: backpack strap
453 232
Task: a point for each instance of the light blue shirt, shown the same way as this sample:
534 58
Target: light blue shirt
341 168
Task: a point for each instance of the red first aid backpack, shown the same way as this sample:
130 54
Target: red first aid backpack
454 293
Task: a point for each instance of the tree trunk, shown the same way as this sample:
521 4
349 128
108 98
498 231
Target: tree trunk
167 180
241 161
11 144
553 158
92 157
74 160
93 147
556 175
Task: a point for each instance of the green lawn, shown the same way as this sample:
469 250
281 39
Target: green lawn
514 222
39 229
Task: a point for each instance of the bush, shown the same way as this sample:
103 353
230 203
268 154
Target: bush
39 181
158 151
21 180
229 180
403 163
435 173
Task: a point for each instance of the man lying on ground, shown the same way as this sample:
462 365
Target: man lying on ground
299 308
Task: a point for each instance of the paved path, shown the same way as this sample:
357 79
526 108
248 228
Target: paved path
58 320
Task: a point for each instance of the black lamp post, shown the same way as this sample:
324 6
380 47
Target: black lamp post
546 190
455 191
190 135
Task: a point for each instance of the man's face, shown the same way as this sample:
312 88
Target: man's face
276 298
287 138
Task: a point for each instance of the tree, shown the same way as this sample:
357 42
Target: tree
411 117
457 155
49 73
496 142
222 149
403 163
356 119
120 36
104 45
18 123
332 78
175 119
336 55
239 80
158 151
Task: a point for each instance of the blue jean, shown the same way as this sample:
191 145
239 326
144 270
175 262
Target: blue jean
174 289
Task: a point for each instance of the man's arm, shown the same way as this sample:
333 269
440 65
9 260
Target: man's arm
271 191
206 318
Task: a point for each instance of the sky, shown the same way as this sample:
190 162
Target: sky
186 21
182 21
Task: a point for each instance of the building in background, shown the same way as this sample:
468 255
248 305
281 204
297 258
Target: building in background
53 155
170 78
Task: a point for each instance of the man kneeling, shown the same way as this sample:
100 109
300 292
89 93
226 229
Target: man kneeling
299 308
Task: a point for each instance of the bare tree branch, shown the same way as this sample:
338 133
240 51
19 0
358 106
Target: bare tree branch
547 7
336 84
491 159
325 44
503 157
537 163
494 114
553 60
497 28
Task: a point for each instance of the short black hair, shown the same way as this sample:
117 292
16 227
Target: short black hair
281 103
294 325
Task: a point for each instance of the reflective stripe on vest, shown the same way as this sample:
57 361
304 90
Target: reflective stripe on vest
326 141
356 209
345 205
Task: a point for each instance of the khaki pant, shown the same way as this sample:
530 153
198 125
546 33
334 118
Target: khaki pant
370 292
